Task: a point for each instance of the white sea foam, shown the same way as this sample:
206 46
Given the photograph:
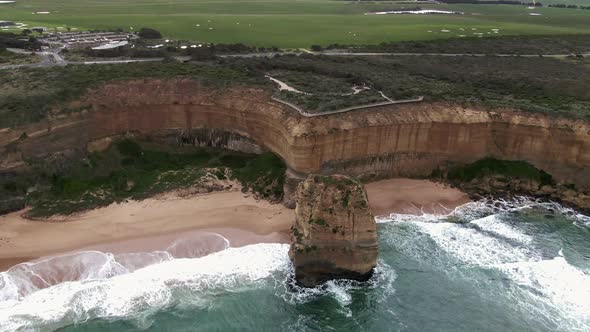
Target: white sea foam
146 289
494 225
206 243
134 261
408 218
482 208
558 284
552 288
383 278
340 293
26 278
471 246
30 277
468 211
121 286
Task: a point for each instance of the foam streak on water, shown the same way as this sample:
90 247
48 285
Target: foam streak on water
479 235
492 253
26 278
556 282
144 290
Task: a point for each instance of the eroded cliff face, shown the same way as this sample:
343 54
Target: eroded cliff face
335 234
397 140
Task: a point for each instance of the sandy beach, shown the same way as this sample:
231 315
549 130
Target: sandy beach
407 196
150 220
156 223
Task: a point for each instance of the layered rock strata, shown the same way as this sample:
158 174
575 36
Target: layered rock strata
335 235
408 140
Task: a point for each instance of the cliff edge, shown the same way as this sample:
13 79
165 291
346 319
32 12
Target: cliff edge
335 235
405 140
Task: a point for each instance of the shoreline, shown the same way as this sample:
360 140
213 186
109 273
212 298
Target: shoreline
409 196
155 223
136 220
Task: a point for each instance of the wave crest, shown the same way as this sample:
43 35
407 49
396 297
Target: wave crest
147 289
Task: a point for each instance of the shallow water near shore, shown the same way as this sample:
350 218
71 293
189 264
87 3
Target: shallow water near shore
516 265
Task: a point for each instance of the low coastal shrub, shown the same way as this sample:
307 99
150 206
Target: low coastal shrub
28 94
149 33
263 174
554 87
544 85
558 87
490 166
133 170
11 40
491 45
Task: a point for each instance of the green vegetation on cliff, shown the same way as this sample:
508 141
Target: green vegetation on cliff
129 170
545 85
491 167
559 87
30 94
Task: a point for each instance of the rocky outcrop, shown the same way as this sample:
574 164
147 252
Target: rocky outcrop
500 185
335 235
408 140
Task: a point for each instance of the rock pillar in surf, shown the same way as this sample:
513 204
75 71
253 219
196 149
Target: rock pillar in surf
335 235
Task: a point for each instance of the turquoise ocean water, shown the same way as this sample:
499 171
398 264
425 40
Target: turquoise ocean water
516 265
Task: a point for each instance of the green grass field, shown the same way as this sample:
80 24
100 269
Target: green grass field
293 23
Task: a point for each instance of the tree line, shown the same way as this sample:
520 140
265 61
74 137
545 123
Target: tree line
11 40
562 5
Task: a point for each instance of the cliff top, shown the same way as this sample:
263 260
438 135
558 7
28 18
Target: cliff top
537 85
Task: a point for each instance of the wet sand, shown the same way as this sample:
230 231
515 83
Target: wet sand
6 263
154 224
144 220
407 196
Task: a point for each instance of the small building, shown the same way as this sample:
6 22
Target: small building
7 24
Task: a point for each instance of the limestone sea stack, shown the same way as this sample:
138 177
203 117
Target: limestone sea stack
335 235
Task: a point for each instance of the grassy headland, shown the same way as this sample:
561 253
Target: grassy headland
551 86
28 94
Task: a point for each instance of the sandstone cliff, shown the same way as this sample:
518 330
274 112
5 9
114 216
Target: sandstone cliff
396 140
335 235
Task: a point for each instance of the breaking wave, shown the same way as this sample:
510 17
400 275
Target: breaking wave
113 289
383 278
472 211
489 236
26 278
112 292
485 235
